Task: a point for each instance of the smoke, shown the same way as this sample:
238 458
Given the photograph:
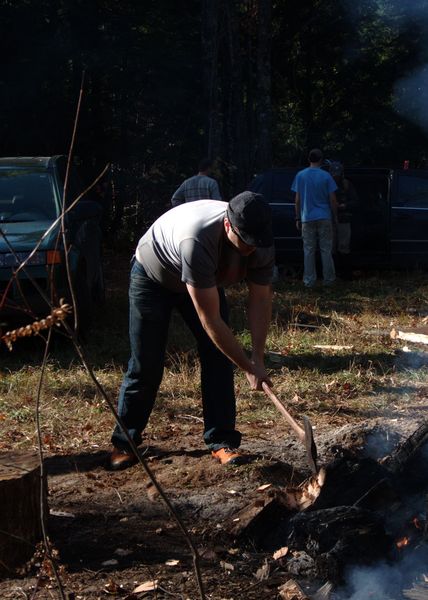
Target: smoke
410 93
411 97
380 442
383 581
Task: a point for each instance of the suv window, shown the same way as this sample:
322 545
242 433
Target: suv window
412 192
26 195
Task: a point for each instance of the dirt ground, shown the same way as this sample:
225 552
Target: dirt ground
112 533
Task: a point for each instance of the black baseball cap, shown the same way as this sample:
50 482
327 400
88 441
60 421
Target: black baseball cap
252 217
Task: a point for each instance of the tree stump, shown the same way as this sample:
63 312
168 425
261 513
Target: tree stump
20 517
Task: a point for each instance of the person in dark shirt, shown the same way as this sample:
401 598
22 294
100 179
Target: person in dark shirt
198 187
347 202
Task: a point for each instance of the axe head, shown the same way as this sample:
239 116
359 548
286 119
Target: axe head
311 449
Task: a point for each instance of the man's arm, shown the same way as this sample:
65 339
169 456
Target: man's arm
178 196
207 305
297 211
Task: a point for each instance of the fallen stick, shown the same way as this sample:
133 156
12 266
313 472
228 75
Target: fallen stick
418 335
332 347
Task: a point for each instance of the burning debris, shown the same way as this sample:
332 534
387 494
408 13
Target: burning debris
355 511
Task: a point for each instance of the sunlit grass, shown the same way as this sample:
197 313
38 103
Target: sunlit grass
368 376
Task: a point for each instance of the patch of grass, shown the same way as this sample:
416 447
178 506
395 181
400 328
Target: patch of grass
370 378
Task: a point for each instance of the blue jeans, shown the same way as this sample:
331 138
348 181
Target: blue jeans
150 307
314 233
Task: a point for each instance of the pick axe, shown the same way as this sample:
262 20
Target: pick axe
305 433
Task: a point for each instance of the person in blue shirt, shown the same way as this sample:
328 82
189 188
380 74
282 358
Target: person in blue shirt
316 214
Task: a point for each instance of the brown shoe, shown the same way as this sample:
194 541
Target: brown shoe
122 459
228 456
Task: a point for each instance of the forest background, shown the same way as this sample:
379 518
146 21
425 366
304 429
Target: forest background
251 83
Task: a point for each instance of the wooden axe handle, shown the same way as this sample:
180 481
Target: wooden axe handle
294 425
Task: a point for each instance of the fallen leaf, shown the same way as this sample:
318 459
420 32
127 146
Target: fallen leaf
61 513
110 563
263 572
172 562
209 555
330 385
280 553
122 552
111 587
265 486
147 586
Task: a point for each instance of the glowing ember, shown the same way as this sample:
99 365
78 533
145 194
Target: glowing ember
403 542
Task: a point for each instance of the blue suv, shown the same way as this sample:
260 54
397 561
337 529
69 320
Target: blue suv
31 192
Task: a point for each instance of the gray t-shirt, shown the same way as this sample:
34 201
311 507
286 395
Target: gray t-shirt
188 244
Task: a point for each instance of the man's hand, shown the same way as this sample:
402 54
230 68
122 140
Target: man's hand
298 225
258 376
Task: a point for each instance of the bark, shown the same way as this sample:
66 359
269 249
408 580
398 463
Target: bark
20 516
264 83
401 461
210 47
237 132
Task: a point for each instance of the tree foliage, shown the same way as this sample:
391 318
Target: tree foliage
250 82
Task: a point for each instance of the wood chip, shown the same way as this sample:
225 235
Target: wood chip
147 586
226 566
263 572
280 553
291 590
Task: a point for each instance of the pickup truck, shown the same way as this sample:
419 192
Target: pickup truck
389 228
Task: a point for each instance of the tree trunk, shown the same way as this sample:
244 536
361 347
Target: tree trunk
237 134
210 46
264 102
20 514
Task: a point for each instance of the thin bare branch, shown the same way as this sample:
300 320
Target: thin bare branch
142 462
64 198
43 508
